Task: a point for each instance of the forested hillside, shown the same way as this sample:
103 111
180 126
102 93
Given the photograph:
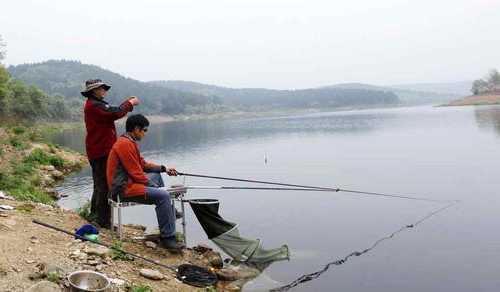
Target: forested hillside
302 98
19 101
67 77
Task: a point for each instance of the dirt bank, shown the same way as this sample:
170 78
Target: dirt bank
27 250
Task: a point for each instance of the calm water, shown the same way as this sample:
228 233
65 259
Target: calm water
442 153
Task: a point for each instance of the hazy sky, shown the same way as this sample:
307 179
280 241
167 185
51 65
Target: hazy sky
261 43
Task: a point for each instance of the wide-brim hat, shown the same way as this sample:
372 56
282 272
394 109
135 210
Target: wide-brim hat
94 84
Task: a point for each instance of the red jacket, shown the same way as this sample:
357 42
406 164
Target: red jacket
125 171
100 123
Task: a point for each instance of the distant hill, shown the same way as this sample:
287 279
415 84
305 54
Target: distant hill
415 94
66 78
461 88
184 97
303 98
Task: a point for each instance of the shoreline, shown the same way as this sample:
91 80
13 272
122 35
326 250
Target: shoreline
476 100
36 257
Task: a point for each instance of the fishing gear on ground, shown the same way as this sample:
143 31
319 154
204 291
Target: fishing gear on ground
187 273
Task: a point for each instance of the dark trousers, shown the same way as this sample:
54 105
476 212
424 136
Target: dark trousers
99 207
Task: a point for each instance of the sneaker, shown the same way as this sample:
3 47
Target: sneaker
170 244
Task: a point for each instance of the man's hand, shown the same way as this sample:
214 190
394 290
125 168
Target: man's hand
171 171
134 100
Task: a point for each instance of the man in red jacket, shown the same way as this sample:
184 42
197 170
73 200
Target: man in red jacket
127 178
101 135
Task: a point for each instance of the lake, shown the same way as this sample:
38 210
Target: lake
448 153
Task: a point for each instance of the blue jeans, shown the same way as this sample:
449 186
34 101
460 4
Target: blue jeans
164 207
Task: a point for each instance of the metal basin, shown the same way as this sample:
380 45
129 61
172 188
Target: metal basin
88 281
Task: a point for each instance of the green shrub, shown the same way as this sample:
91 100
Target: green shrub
84 212
17 143
38 156
21 189
18 130
117 252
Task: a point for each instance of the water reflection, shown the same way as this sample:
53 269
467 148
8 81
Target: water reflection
194 135
488 117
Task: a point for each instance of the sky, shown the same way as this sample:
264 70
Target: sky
261 43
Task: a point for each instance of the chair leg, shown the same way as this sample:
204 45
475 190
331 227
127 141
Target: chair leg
119 222
112 219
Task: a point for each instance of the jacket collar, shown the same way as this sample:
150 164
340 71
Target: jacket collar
98 100
126 135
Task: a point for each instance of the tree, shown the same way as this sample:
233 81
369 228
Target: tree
2 49
479 86
493 79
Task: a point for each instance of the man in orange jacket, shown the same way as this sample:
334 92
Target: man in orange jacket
127 178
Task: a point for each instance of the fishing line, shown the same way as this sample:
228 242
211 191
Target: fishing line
314 275
316 187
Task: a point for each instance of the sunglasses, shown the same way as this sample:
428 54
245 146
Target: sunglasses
144 129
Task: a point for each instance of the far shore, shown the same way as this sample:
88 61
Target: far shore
482 99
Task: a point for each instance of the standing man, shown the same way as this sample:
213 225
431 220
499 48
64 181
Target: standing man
101 135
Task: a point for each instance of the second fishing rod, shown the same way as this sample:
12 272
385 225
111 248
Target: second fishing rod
308 187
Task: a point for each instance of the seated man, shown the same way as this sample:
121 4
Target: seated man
126 176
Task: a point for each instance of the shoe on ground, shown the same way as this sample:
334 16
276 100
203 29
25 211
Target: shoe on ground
171 244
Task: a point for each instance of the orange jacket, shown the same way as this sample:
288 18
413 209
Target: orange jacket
125 161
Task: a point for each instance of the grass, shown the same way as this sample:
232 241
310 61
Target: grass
141 288
39 157
117 252
19 177
23 189
84 212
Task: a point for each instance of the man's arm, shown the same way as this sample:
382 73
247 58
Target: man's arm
105 112
152 167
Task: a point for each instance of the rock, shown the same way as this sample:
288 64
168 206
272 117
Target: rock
6 207
4 227
29 261
117 282
150 244
34 240
44 286
3 215
99 268
232 287
202 248
136 226
45 206
36 276
4 196
98 251
214 259
93 262
57 174
47 167
151 274
227 275
10 222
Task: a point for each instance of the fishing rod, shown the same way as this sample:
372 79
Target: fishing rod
306 187
187 273
253 188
